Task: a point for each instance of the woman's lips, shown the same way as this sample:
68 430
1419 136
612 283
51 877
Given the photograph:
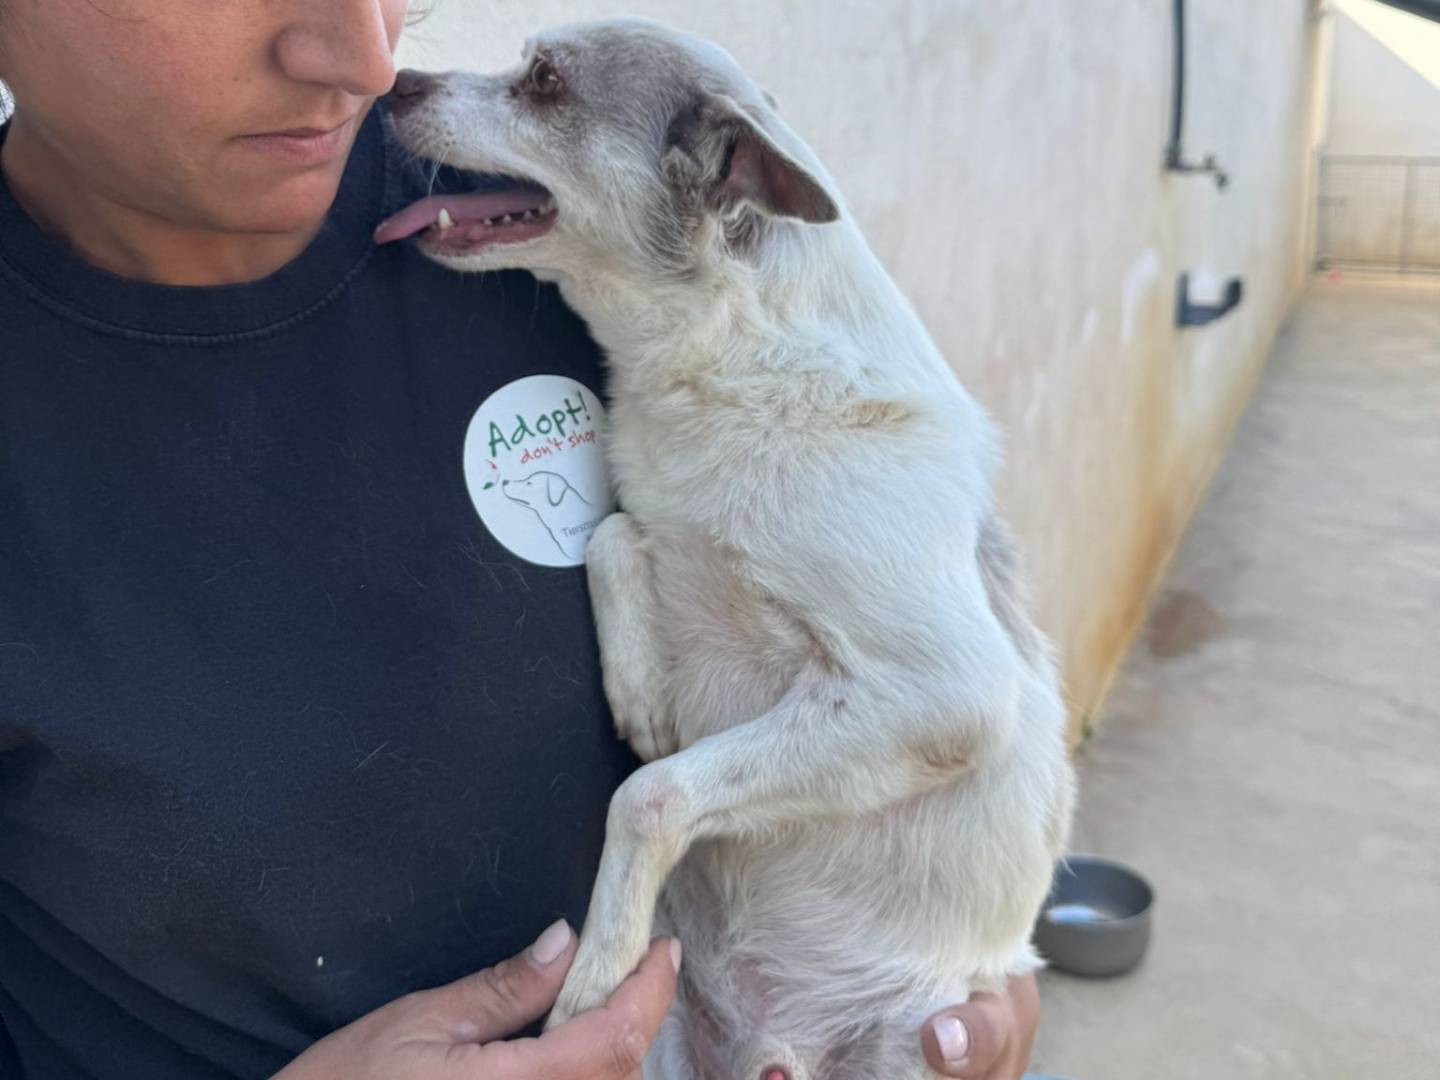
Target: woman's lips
304 147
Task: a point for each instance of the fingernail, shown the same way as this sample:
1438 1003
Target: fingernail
953 1039
675 954
549 945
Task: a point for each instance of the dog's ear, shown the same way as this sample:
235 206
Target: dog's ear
715 145
555 488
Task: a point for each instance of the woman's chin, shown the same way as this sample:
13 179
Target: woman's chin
293 210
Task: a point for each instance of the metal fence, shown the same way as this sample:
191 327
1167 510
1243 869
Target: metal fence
1380 212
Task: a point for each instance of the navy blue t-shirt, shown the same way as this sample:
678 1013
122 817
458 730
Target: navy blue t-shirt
286 729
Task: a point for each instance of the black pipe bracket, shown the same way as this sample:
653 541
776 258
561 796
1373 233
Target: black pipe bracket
1188 313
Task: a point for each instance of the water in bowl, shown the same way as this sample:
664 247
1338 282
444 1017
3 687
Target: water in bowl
1077 914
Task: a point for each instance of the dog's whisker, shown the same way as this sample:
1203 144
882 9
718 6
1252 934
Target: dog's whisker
440 158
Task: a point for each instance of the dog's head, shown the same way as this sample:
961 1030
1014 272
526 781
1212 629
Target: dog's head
538 489
626 145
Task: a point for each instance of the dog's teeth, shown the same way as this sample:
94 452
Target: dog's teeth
506 220
444 221
529 215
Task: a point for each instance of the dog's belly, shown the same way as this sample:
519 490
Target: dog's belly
824 945
838 938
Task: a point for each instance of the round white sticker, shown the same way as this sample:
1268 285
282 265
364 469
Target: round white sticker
535 468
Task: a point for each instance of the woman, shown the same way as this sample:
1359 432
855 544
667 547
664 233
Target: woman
290 726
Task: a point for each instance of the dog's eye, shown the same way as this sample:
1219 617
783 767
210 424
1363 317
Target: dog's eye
544 80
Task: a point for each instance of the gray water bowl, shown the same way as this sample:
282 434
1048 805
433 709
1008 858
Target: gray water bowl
1096 920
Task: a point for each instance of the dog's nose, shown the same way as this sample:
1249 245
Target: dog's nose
410 89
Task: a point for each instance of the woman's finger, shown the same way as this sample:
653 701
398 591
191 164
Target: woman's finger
607 1043
501 1000
987 1038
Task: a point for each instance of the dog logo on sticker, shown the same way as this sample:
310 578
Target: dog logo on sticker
535 468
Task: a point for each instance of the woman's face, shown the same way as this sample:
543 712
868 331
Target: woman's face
172 107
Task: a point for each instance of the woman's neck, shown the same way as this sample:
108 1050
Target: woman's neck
129 242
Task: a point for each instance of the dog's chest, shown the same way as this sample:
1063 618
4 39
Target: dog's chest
730 651
681 460
701 478
717 450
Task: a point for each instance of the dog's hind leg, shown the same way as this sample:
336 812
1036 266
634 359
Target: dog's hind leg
622 593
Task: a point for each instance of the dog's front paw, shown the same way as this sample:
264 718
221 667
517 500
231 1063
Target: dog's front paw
650 736
588 986
571 1003
641 718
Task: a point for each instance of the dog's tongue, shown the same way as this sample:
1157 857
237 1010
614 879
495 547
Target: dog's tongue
461 208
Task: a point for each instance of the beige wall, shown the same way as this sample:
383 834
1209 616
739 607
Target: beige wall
1004 159
1385 90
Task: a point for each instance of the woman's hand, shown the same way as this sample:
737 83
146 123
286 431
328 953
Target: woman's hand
457 1032
987 1038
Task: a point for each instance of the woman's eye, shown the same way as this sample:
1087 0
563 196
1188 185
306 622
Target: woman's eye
545 80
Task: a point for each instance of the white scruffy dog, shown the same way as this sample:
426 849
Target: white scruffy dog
809 618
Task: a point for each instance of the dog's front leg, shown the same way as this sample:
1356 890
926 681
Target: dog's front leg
829 747
641 848
622 594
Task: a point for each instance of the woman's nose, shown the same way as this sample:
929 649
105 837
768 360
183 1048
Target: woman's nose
346 44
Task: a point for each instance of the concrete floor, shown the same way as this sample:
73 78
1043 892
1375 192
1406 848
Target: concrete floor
1270 755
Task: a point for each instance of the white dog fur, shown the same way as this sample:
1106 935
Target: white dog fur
809 616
